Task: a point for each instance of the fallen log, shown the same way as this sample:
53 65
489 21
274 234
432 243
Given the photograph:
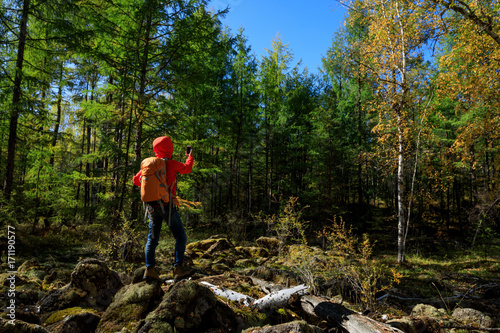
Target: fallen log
272 301
341 317
229 294
278 299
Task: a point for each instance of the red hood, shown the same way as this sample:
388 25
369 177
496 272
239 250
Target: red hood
163 147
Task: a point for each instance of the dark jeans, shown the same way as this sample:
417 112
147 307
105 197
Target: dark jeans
177 229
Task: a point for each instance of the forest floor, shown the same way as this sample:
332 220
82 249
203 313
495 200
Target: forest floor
444 274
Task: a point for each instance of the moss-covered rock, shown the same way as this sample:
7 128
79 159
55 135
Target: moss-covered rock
94 276
426 310
60 315
19 326
56 279
60 299
131 304
190 307
81 322
219 268
253 252
222 244
208 247
271 243
8 279
246 263
31 269
201 246
29 294
92 285
469 316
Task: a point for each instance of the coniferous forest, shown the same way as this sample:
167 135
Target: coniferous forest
397 134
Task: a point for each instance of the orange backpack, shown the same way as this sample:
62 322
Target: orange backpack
154 180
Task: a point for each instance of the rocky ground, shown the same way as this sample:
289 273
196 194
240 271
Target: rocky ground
102 296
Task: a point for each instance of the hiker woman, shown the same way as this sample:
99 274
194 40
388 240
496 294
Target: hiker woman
160 206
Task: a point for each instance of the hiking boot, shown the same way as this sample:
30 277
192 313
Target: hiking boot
182 271
150 274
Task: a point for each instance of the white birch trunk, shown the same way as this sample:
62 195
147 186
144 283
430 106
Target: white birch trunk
278 299
229 294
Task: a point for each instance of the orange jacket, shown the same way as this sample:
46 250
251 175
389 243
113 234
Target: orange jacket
164 148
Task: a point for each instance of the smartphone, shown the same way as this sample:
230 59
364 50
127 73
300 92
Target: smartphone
188 149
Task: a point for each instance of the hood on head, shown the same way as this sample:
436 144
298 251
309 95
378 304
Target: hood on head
163 147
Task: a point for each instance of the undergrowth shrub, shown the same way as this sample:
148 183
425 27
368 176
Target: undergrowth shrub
350 259
287 226
120 245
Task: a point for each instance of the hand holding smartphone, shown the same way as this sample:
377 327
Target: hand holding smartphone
188 150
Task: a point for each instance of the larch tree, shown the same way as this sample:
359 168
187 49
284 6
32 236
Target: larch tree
274 69
483 14
469 77
16 106
352 90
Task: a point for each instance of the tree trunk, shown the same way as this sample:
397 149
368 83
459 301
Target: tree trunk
236 150
341 317
141 107
58 117
250 178
80 168
88 165
400 175
278 299
360 131
16 97
127 148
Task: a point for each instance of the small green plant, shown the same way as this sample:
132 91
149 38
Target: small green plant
288 225
303 261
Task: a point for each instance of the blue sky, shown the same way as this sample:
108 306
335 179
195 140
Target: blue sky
306 26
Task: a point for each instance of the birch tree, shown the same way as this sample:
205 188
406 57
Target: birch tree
398 31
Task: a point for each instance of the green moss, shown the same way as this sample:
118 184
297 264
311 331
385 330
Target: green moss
61 314
138 294
128 307
180 323
127 316
188 291
161 327
201 245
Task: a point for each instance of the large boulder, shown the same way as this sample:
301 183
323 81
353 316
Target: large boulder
92 285
189 307
130 305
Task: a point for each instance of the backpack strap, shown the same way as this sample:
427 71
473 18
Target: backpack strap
170 202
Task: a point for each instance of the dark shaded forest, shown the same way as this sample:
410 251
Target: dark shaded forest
397 133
